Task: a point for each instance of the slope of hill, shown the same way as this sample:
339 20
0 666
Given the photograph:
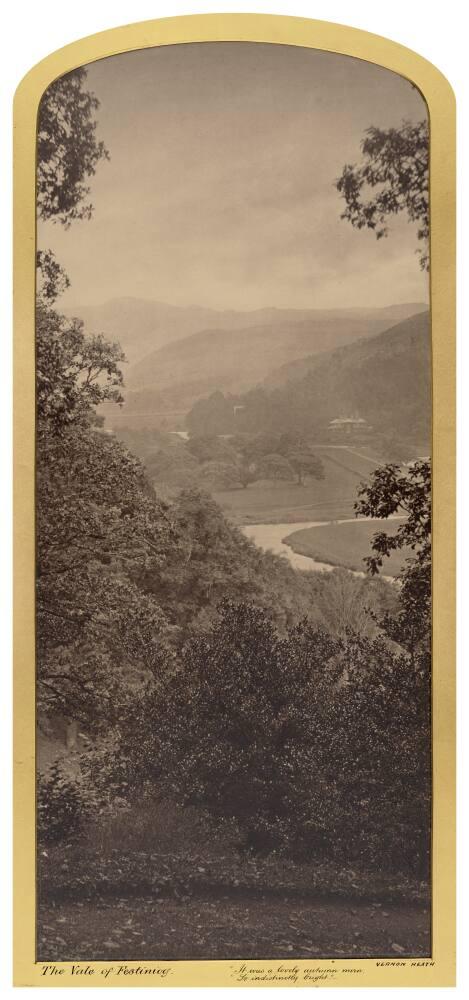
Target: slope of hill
143 325
168 381
394 340
384 379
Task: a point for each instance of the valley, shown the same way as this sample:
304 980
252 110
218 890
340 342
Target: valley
232 717
232 354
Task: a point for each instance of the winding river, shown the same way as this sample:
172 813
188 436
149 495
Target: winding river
269 537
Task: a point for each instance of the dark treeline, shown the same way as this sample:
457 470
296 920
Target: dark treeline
214 462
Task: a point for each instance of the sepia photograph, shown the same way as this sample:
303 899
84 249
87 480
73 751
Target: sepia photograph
233 495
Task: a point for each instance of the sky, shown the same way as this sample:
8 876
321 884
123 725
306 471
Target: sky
220 187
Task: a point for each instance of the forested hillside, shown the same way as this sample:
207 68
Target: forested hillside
385 379
122 574
230 352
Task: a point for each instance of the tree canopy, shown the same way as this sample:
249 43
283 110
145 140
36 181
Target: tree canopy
395 162
311 744
74 372
393 492
68 150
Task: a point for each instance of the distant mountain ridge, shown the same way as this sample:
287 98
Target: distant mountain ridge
142 326
232 360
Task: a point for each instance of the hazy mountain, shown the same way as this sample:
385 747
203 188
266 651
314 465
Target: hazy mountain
142 326
372 374
386 379
398 338
170 379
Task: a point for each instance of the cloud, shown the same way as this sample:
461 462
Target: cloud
220 189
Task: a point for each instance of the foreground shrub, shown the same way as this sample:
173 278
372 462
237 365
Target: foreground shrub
62 806
315 746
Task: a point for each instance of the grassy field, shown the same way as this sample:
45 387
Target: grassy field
346 544
277 502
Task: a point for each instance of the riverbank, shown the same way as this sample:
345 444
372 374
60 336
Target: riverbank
271 538
321 546
345 544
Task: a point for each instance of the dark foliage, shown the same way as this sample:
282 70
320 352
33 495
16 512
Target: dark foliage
73 371
61 807
315 746
67 149
394 492
52 279
395 161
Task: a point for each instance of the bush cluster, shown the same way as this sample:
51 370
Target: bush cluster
316 747
62 806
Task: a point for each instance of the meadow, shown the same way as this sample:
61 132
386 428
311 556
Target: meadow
267 502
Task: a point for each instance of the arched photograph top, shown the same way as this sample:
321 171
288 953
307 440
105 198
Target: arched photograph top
233 505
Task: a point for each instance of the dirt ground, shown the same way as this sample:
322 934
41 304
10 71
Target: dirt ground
183 929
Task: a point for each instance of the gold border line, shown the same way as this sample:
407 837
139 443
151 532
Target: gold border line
436 91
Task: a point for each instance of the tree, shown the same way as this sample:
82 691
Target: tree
396 162
247 473
276 456
238 751
211 415
99 525
210 448
171 464
52 279
254 447
215 561
273 466
219 475
73 372
67 154
315 746
392 492
305 464
345 601
99 531
67 149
